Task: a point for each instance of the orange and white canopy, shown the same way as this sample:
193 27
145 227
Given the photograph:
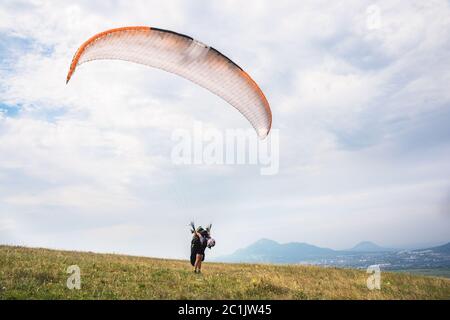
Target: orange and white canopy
186 57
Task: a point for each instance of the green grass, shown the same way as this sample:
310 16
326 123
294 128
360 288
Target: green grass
437 272
27 273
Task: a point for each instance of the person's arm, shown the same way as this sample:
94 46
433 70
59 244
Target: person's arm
199 235
201 238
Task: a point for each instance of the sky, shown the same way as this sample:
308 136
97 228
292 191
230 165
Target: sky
359 96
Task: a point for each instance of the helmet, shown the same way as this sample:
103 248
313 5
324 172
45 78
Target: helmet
211 243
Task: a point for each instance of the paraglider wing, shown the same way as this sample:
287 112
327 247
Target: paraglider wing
186 57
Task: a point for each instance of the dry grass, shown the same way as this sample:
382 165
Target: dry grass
27 273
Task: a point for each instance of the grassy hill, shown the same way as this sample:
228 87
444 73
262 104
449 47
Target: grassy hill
27 273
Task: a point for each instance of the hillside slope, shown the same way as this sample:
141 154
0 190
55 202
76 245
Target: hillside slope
41 274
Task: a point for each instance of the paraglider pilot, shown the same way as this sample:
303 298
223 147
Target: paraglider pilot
201 239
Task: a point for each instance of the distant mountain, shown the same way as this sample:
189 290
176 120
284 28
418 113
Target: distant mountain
444 249
266 250
367 246
360 256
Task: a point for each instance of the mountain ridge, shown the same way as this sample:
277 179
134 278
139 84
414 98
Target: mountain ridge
369 246
361 255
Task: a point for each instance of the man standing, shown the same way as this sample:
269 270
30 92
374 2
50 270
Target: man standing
200 240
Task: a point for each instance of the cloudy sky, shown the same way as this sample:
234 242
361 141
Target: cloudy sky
359 92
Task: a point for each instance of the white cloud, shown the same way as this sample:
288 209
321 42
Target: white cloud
7 225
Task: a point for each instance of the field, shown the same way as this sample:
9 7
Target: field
437 272
28 273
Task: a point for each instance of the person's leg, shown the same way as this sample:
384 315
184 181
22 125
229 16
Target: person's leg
198 262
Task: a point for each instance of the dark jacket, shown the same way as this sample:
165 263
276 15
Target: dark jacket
198 246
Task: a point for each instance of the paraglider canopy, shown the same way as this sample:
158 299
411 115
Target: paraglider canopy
186 57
